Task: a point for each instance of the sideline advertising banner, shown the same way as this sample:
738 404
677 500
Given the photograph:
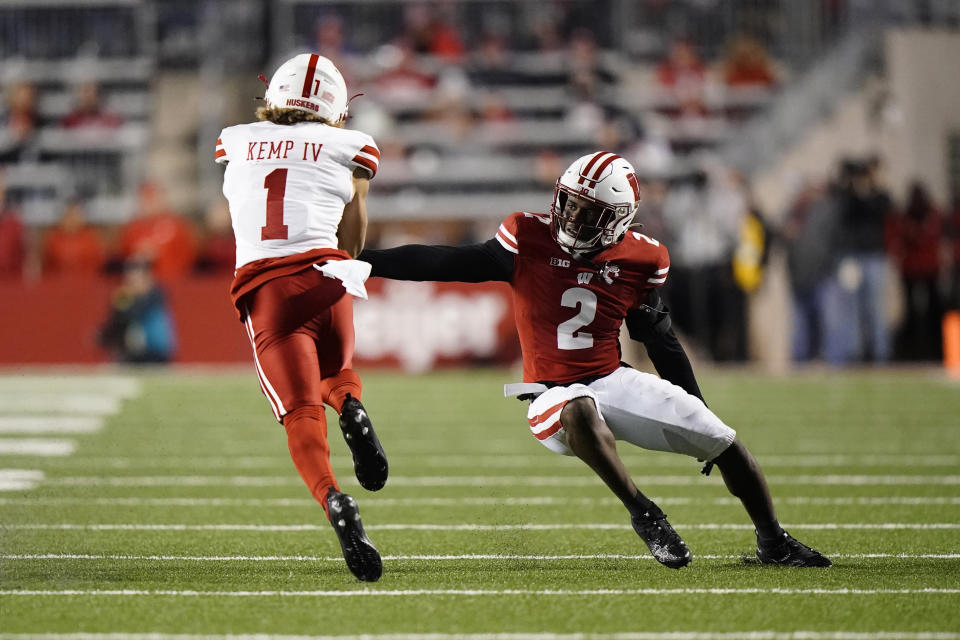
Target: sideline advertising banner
415 326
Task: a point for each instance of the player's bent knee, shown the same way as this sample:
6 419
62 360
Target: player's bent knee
580 414
544 415
583 426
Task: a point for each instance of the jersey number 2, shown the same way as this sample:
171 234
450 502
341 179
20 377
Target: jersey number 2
569 335
276 185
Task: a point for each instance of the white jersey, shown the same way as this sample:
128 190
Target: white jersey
287 185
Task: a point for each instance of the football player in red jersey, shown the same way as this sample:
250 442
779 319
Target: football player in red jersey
296 182
577 275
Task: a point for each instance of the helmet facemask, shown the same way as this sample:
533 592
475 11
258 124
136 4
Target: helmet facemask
582 224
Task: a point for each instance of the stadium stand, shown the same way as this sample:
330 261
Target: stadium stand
54 48
475 105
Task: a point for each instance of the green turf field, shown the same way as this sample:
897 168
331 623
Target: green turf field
165 503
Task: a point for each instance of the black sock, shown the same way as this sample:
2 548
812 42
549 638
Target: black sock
769 533
641 505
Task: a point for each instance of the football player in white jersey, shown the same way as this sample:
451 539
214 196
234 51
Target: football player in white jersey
296 181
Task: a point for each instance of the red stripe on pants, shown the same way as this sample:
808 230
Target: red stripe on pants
303 334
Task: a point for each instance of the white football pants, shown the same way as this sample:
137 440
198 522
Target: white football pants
639 408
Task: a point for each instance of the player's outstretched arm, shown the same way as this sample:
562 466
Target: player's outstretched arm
483 262
651 325
352 232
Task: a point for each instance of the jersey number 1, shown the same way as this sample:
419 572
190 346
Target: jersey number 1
276 185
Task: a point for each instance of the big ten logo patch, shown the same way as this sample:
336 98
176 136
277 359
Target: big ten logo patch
559 262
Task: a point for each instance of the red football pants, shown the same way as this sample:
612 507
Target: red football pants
301 328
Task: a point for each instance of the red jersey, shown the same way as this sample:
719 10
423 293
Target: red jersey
568 313
165 237
80 251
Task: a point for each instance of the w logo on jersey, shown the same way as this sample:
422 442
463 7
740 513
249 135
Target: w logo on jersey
584 277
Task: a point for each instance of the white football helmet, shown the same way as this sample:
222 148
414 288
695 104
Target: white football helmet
594 202
311 83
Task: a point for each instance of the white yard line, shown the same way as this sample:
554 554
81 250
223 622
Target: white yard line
629 635
43 447
475 501
474 592
19 479
521 461
49 424
883 526
501 480
433 558
47 402
790 460
120 386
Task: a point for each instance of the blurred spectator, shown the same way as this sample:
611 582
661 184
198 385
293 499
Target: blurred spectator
915 239
652 154
954 300
431 32
583 114
810 234
72 247
452 118
747 64
683 76
331 42
139 327
547 33
547 166
491 64
12 238
370 115
394 159
158 234
401 78
653 193
19 122
753 248
494 109
584 66
855 322
588 84
88 110
218 247
705 218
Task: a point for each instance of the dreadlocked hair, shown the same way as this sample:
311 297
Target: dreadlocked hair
278 115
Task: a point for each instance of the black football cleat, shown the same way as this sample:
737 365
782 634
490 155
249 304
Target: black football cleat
666 545
362 557
369 460
789 552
